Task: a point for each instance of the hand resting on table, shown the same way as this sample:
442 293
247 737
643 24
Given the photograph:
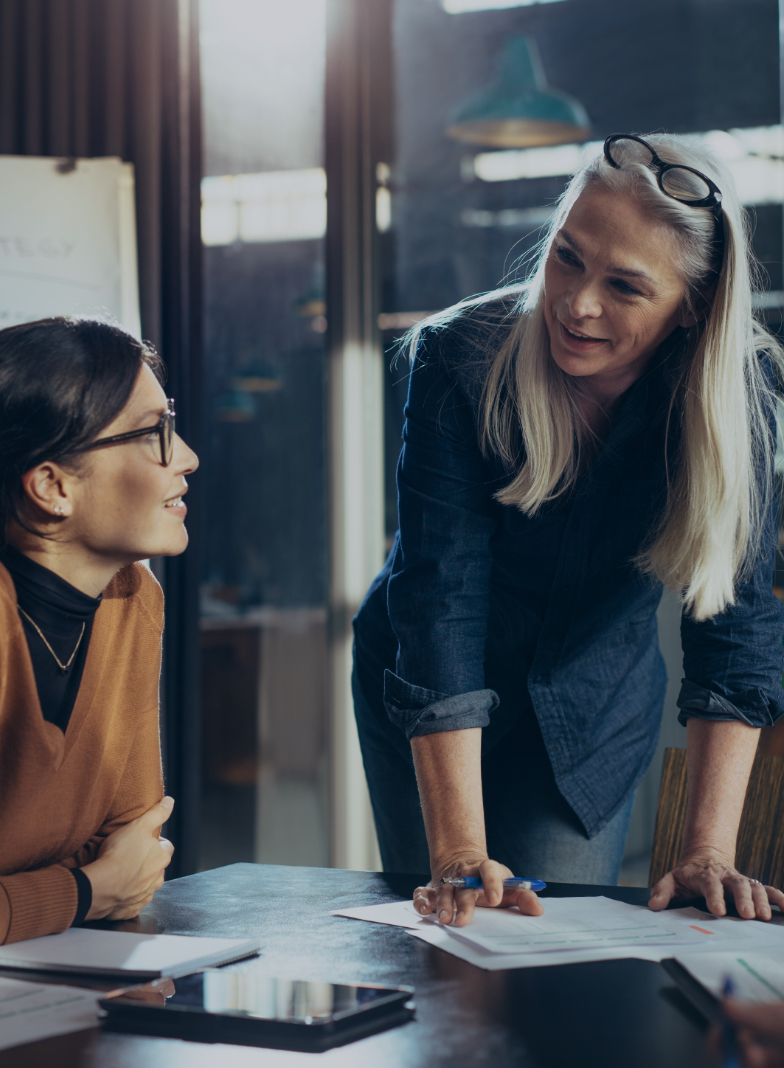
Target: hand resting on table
709 873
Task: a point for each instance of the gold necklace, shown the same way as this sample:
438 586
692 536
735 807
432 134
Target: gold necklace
63 667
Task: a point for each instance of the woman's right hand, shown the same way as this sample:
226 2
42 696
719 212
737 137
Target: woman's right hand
759 1033
130 865
457 906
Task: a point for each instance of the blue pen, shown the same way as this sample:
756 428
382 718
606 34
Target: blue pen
472 882
729 1043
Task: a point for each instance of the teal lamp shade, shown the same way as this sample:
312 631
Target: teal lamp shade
520 110
257 377
235 406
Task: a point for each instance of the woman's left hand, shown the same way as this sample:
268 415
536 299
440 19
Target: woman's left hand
710 874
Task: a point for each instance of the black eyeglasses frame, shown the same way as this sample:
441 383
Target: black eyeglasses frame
164 428
713 200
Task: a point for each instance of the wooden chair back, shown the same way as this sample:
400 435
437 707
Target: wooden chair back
760 849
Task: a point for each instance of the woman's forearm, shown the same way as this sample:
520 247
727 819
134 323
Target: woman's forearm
449 776
719 760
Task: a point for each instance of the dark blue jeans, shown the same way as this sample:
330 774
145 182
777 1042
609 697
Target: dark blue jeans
530 827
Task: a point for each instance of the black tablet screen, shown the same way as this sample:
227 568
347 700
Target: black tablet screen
218 991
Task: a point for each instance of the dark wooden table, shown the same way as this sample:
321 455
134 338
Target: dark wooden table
609 1014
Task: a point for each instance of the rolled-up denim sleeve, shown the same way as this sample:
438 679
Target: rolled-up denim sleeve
438 590
733 663
417 711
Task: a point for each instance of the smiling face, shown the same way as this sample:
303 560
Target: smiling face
124 505
612 292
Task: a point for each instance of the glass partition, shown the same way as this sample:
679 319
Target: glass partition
263 615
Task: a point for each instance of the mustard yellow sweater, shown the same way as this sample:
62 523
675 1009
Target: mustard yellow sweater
62 794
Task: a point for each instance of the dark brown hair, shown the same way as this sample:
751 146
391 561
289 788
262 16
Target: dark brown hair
62 381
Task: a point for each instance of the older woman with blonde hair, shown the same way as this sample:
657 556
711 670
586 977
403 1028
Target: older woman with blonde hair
572 446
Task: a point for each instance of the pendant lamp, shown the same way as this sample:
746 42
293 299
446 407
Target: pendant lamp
235 406
520 110
257 376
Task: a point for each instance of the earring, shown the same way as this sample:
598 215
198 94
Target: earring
58 510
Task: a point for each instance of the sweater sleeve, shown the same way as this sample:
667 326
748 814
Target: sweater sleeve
43 902
141 785
35 903
140 788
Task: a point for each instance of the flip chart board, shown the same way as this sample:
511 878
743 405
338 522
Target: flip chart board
67 240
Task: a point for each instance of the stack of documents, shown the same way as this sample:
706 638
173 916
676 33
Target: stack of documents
84 950
31 1011
577 929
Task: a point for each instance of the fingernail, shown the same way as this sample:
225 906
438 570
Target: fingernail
444 916
168 802
460 916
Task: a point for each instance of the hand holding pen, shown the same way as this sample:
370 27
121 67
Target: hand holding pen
729 1037
473 882
750 1035
459 887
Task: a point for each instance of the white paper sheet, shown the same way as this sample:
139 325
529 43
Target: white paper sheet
709 933
589 922
758 976
393 913
32 1011
494 962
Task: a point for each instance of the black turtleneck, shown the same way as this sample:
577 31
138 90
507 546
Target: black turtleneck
59 609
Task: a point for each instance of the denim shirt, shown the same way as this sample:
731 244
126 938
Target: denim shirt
482 614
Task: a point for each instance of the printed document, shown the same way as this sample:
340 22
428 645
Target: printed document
574 930
32 1011
758 975
582 923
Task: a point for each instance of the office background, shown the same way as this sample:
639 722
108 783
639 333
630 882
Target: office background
303 197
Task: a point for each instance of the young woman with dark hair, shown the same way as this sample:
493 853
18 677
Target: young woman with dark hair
92 477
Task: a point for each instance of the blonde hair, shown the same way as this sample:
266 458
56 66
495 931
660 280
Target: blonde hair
710 529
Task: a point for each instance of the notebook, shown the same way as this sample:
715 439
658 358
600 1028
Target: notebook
84 950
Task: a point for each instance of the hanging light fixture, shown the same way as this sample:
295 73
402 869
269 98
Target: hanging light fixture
257 376
520 110
235 406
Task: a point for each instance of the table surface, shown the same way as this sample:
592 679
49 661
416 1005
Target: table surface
611 1014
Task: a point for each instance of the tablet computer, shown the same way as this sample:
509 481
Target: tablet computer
223 1005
